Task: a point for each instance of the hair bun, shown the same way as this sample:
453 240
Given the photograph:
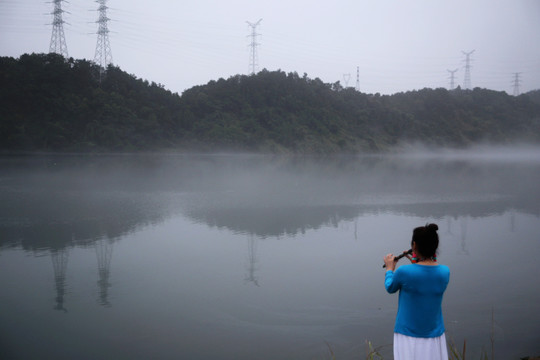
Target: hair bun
432 227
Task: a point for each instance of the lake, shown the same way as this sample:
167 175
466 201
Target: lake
259 257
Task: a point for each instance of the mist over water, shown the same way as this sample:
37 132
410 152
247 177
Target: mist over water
251 256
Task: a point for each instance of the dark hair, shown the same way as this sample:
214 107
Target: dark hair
426 239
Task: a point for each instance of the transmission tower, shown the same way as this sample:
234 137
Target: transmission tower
253 56
58 39
452 78
467 80
358 78
103 56
516 83
346 78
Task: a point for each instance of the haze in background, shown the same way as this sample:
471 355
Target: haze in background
249 256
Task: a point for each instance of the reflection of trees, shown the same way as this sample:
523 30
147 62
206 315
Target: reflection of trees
77 200
85 220
270 222
65 219
59 259
93 204
279 221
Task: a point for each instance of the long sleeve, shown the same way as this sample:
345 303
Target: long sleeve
390 282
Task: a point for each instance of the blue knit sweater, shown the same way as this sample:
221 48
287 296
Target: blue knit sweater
421 289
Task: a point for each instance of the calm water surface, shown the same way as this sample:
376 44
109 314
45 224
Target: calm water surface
255 257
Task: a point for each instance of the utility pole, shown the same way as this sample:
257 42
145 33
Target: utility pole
58 39
452 78
253 56
467 80
358 78
103 56
516 83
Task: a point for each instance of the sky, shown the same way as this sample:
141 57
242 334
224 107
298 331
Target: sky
383 46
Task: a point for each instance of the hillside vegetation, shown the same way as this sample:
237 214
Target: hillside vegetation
48 103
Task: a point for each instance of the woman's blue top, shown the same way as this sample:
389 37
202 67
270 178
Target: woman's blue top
421 289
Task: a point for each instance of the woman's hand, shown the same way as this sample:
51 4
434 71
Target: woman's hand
390 262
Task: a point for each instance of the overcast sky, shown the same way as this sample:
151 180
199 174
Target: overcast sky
397 45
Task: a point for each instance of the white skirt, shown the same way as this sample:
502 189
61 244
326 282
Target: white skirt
412 348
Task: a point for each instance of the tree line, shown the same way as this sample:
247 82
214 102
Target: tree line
50 103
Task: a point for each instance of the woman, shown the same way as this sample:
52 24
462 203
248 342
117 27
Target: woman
419 328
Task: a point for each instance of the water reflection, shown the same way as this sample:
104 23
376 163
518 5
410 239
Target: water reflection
59 260
60 202
59 219
513 220
252 261
214 220
463 226
104 250
60 257
273 222
72 201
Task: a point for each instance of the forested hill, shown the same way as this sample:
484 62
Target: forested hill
48 103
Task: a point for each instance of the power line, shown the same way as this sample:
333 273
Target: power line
58 39
253 56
